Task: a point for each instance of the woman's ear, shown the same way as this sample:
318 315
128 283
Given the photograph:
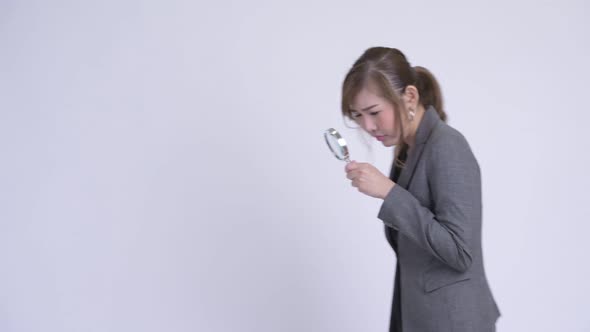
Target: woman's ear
411 97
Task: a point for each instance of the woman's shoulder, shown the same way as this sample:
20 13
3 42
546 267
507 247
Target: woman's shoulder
445 135
448 142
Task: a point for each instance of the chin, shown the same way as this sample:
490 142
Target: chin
389 143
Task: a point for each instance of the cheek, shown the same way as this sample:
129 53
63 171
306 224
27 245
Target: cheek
393 128
391 123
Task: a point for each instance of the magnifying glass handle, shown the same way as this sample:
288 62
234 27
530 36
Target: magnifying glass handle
347 160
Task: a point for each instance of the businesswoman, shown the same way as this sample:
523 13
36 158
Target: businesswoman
432 208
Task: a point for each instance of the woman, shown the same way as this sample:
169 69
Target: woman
432 207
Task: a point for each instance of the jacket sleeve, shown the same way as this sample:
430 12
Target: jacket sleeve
446 228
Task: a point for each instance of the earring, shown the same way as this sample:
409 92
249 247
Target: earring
411 114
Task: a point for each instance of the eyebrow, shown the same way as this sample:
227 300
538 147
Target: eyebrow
365 109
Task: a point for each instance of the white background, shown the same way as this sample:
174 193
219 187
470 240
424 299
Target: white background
163 167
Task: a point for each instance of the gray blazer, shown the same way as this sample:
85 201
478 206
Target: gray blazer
433 220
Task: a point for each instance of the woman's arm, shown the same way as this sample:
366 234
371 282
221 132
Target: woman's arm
455 187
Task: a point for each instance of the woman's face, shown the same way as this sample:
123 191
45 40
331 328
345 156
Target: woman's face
376 116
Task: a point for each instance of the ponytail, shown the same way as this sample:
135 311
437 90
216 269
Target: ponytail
429 90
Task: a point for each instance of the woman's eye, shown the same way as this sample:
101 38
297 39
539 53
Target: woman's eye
356 115
374 113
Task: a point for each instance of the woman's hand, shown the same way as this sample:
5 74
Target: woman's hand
368 179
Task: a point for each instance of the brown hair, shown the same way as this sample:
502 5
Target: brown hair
389 71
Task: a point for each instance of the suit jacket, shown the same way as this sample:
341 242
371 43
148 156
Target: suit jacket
433 219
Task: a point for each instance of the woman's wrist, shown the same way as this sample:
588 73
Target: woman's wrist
387 189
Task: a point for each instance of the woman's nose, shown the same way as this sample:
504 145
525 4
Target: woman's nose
368 124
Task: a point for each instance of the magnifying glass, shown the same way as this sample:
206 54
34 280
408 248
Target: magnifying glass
337 144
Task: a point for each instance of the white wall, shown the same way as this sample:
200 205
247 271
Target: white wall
163 167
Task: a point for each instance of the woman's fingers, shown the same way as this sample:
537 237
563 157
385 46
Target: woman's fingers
352 175
351 166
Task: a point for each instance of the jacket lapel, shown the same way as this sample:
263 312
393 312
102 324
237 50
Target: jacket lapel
429 121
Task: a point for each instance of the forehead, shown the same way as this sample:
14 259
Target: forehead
366 97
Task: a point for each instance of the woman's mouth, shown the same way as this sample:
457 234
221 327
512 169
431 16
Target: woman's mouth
380 138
